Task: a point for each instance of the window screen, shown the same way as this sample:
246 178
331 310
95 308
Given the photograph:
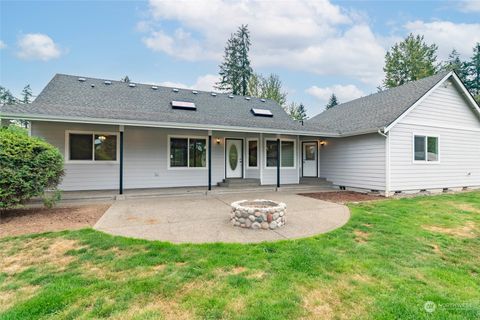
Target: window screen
81 147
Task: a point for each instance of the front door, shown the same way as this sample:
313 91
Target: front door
234 158
310 159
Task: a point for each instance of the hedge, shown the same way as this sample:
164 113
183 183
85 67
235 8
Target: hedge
28 167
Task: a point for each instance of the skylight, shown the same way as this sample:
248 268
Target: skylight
262 112
183 105
154 87
107 82
132 85
82 79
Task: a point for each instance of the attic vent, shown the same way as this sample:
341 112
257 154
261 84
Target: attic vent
247 98
154 87
183 105
230 96
213 94
195 92
262 112
107 82
263 100
175 90
82 79
132 85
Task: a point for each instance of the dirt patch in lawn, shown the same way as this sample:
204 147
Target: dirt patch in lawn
361 236
37 252
342 196
466 231
36 220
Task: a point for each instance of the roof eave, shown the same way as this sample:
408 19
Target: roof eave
141 123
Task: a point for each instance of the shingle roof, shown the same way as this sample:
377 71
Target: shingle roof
66 96
375 111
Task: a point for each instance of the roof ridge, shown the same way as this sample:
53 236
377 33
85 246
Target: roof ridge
158 85
440 74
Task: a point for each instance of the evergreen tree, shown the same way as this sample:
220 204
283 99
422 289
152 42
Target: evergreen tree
332 102
235 70
296 111
456 64
26 94
125 79
412 59
473 73
6 97
301 112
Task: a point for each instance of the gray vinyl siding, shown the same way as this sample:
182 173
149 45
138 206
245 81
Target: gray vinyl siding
357 162
447 115
81 176
146 159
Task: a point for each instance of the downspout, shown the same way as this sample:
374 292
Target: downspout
387 160
209 160
120 182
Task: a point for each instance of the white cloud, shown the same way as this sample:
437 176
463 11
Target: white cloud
344 93
469 6
448 35
37 46
2 45
312 36
205 83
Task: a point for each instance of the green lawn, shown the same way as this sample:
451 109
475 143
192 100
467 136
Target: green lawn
390 258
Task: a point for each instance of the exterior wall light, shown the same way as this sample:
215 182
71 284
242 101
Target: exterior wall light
218 140
323 142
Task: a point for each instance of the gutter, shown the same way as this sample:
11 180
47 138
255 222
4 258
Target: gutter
164 125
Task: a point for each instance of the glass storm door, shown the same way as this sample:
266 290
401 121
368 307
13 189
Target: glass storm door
310 159
234 158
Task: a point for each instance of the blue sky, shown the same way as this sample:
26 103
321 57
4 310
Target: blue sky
316 47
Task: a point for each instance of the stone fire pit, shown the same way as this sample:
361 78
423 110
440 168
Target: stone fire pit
258 214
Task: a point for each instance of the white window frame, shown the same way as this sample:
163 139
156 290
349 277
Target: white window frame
248 155
93 133
294 153
426 135
188 137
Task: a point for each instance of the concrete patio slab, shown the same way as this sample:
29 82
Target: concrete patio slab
205 219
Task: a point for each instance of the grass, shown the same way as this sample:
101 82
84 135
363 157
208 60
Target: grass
389 260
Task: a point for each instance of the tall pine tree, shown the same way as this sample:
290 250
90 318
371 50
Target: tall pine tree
456 64
332 102
235 70
473 73
410 60
27 94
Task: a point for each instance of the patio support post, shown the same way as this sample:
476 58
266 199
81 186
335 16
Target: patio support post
278 162
120 184
209 160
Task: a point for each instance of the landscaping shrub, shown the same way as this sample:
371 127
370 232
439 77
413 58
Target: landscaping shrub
28 167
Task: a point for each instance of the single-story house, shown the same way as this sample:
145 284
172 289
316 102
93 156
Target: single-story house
424 135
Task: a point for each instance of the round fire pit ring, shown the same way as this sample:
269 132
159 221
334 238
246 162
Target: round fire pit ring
258 214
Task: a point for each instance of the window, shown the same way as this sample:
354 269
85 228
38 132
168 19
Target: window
198 153
92 147
426 149
271 153
178 152
287 153
188 152
252 153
